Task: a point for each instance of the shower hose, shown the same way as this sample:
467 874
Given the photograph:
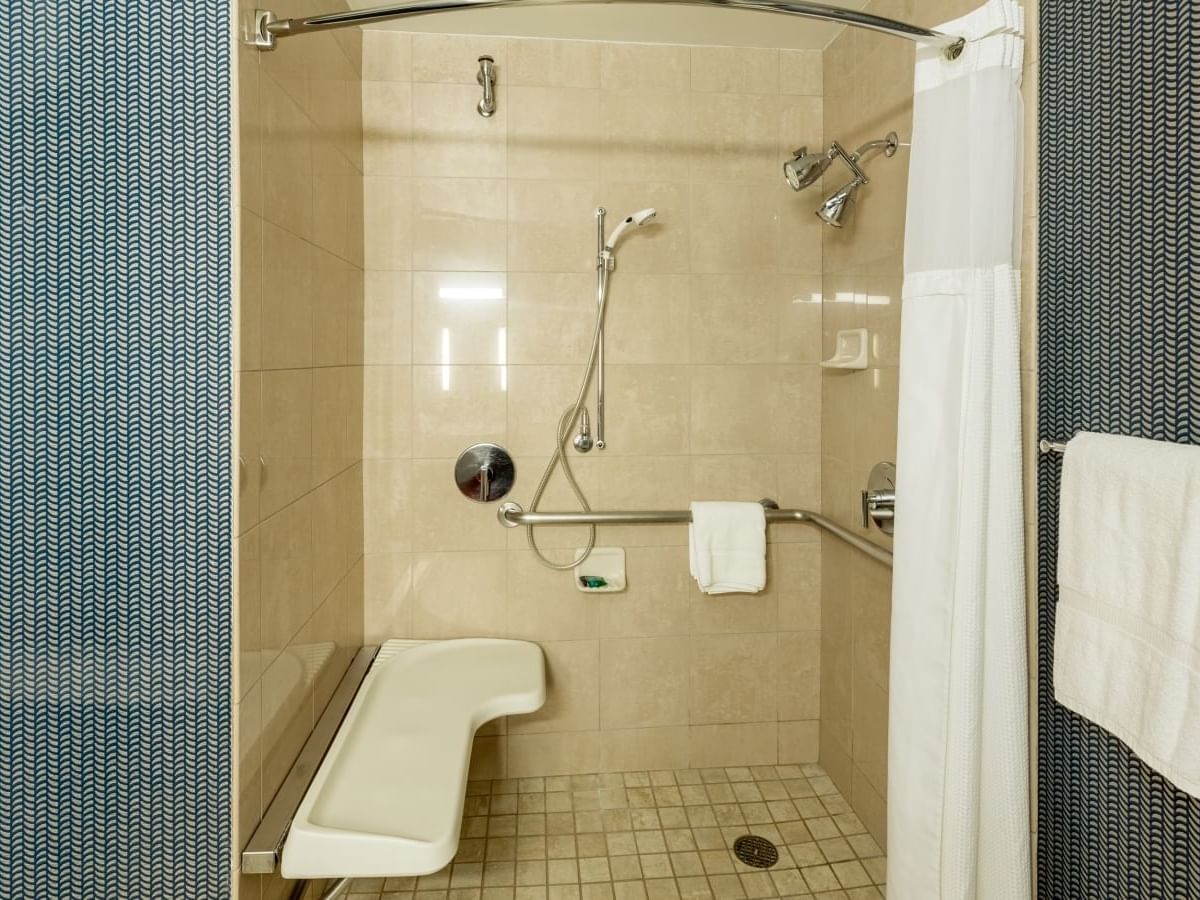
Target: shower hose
566 424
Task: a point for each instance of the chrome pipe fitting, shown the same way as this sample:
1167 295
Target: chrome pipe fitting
487 80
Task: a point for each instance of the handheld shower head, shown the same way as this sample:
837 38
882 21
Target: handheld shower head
639 218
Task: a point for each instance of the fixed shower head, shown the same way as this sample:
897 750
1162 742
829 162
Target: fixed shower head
833 210
641 217
804 168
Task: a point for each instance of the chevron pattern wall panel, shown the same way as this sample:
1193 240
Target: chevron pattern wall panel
115 586
1119 303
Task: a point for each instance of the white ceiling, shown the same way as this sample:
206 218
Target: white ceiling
640 22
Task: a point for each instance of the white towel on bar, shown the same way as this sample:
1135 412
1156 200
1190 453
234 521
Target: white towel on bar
1127 639
727 547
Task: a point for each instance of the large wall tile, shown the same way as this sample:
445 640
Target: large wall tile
642 325
449 140
459 224
459 595
551 318
387 318
457 406
545 606
644 682
552 225
387 412
459 318
735 70
648 135
748 409
735 138
729 680
546 63
648 410
625 67
553 132
741 232
387 141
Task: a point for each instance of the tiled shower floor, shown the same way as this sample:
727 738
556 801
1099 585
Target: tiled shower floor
652 836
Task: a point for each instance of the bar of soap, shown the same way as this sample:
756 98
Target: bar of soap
591 581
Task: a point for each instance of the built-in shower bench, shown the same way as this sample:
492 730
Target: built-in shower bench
386 796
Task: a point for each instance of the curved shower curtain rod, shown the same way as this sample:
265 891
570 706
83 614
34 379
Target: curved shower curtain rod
268 28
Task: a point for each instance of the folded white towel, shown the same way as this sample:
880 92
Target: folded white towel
727 547
1127 638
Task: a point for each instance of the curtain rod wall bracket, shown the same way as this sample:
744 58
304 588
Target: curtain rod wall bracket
268 28
259 33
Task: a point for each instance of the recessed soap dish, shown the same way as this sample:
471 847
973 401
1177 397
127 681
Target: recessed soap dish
604 564
850 352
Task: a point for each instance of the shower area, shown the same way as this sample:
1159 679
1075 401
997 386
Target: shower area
417 275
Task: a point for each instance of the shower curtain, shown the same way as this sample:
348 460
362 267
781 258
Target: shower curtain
958 776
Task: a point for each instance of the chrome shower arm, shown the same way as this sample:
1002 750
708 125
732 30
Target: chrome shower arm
887 144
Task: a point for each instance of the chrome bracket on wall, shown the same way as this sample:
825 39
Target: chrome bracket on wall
257 33
487 80
879 499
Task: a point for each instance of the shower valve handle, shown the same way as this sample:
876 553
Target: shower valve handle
877 505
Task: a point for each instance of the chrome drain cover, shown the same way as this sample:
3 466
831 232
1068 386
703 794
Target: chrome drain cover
755 851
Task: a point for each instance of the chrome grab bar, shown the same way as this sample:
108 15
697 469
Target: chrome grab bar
511 515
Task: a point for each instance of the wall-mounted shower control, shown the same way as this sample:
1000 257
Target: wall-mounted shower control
879 499
485 472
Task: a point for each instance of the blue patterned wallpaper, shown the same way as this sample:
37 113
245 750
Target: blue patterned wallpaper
115 492
1119 351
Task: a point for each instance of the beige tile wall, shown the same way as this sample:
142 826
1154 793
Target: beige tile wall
298 404
713 389
868 92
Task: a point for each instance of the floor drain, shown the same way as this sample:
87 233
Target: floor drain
755 851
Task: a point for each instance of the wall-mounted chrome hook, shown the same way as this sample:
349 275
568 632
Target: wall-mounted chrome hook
487 79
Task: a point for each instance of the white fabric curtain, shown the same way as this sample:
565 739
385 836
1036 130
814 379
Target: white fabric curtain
958 764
